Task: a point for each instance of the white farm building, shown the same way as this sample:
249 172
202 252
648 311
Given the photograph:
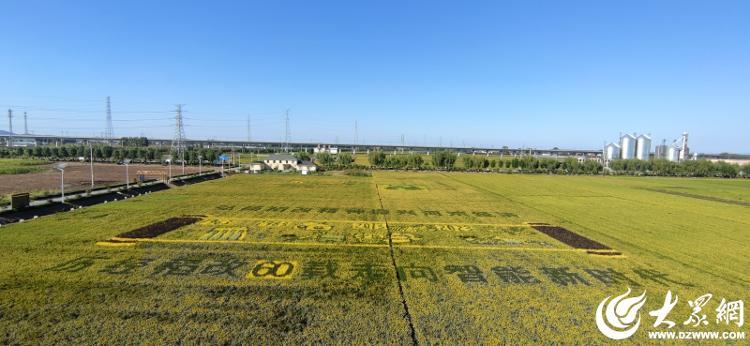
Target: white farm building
283 162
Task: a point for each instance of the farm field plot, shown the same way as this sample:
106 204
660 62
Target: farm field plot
396 258
42 176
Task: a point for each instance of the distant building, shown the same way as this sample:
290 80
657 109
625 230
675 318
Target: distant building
325 149
283 162
257 166
306 167
20 141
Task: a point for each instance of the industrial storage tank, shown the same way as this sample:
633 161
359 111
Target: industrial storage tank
684 150
611 152
642 147
627 146
673 154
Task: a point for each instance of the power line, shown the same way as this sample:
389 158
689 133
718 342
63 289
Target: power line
236 120
99 128
99 119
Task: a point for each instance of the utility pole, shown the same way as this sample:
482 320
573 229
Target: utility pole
108 131
10 128
25 124
127 173
287 134
91 153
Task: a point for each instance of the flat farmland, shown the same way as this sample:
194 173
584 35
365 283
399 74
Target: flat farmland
396 258
44 177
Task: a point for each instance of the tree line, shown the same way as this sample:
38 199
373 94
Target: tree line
438 160
106 153
330 161
690 168
442 159
447 160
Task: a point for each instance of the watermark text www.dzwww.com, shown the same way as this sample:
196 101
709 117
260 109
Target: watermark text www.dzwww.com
696 335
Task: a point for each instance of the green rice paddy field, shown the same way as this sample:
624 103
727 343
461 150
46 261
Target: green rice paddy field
396 258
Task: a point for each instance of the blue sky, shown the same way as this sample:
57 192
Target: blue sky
516 73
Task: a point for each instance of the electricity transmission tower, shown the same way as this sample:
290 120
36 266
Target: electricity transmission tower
108 131
10 127
178 143
287 134
25 124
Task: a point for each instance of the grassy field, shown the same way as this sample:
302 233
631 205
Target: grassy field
21 166
395 258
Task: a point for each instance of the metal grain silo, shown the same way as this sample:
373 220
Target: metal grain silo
627 146
611 152
642 147
673 154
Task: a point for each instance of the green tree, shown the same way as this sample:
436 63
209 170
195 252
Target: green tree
303 155
345 159
444 159
325 159
376 158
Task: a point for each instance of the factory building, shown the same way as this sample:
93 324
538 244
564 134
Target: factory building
633 146
325 149
678 151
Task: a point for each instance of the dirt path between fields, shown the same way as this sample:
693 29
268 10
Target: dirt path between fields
407 314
